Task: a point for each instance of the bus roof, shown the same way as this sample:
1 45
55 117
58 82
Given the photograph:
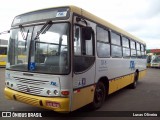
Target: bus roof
96 19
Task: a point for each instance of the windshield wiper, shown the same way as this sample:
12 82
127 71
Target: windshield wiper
44 28
22 32
23 36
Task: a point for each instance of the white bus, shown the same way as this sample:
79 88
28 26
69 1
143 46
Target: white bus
155 62
73 58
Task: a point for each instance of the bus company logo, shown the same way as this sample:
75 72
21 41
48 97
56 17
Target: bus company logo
132 64
20 114
61 14
81 82
53 83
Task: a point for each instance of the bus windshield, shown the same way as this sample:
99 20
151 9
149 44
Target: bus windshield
46 53
156 59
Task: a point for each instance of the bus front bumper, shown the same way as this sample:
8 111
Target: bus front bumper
58 104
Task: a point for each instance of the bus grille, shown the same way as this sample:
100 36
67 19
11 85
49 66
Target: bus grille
30 81
29 89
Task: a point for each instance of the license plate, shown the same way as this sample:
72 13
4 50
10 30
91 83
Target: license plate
52 104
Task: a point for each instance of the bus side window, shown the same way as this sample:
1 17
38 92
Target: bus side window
116 48
87 42
103 46
82 47
77 41
126 49
143 51
138 51
83 50
133 49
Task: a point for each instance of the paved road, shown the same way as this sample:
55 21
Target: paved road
146 97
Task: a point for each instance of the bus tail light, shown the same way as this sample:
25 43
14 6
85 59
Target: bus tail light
65 92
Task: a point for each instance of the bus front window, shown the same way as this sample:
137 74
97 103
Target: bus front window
48 51
18 47
51 54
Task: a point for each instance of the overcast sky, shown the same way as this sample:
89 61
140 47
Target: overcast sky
138 17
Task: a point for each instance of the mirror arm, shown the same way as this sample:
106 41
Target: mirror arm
78 19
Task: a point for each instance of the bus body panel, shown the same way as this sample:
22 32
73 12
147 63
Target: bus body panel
83 88
117 67
82 97
38 86
45 81
84 81
119 71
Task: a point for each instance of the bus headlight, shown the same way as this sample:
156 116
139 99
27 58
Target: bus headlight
48 92
8 83
56 92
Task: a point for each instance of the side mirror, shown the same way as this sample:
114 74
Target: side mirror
86 33
5 32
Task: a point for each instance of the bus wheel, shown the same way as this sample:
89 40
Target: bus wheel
99 95
134 84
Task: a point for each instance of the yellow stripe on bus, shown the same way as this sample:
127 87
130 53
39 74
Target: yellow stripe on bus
142 74
83 97
119 83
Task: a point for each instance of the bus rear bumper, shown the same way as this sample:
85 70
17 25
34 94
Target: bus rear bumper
58 104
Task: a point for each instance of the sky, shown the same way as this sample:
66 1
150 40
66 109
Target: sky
141 18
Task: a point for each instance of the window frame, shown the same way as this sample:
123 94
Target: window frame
114 44
126 47
102 41
120 40
133 49
138 49
82 44
80 64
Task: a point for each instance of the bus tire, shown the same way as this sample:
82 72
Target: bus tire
134 84
99 95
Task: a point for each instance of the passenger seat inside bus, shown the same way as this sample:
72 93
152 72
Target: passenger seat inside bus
57 60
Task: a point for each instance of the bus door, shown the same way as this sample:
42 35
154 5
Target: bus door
83 63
